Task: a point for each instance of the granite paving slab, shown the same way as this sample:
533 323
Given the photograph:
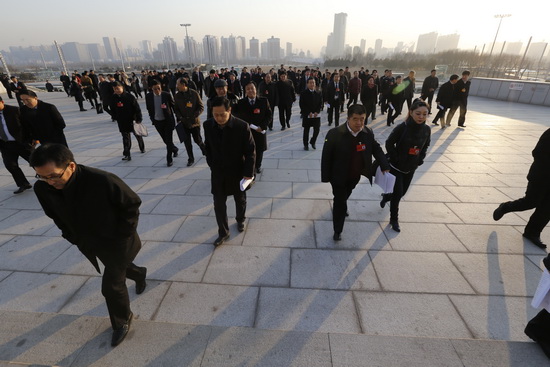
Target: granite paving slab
279 233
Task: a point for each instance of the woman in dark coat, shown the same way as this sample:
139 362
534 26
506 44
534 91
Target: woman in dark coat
75 91
406 147
255 111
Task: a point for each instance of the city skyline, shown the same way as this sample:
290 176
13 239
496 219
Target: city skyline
304 26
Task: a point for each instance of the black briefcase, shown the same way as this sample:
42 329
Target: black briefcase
99 108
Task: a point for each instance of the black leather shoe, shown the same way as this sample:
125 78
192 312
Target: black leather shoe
461 125
395 225
313 146
126 158
288 125
22 188
306 147
536 240
190 162
385 199
220 240
141 283
499 212
142 151
120 334
175 153
169 164
337 236
240 226
283 128
259 170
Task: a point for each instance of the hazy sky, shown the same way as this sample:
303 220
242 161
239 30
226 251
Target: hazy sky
304 23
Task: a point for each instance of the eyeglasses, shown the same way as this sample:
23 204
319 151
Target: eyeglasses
53 177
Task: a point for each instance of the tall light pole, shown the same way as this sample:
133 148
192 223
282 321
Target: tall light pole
187 39
501 16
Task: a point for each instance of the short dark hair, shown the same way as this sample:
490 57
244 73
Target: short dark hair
454 77
221 101
357 109
466 72
183 81
433 70
251 82
27 92
155 82
58 154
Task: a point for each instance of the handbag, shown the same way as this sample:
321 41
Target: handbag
140 129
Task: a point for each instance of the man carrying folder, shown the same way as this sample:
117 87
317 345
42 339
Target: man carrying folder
347 154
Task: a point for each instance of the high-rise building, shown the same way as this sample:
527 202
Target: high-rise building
363 45
97 52
263 48
513 48
447 42
211 47
337 39
147 49
254 48
110 48
170 50
288 49
273 48
378 47
75 52
536 50
119 49
426 43
190 49
241 47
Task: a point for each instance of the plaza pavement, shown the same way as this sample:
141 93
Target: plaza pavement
452 289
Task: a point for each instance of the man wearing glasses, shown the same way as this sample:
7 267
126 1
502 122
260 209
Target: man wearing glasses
96 211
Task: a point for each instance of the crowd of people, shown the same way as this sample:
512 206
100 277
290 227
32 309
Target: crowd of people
240 112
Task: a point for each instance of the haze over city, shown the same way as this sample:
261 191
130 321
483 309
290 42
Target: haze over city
305 26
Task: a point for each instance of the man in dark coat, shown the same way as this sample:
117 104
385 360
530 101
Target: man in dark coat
220 88
209 88
15 142
188 109
460 99
537 194
230 156
335 99
125 110
268 89
198 79
45 122
429 86
444 100
106 92
17 88
311 102
354 89
245 76
255 111
287 96
160 106
96 211
234 85
347 154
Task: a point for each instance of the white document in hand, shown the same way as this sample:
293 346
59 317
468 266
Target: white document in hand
542 294
384 180
245 183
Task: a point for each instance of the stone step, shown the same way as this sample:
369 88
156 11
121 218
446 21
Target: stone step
50 339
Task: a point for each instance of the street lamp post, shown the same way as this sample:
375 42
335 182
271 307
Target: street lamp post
501 16
187 39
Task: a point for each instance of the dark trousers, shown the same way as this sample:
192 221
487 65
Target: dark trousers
440 115
284 114
259 157
536 196
402 183
428 98
370 106
166 132
113 285
11 151
306 140
220 208
340 204
392 114
334 110
127 143
352 99
383 103
8 90
461 117
194 132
